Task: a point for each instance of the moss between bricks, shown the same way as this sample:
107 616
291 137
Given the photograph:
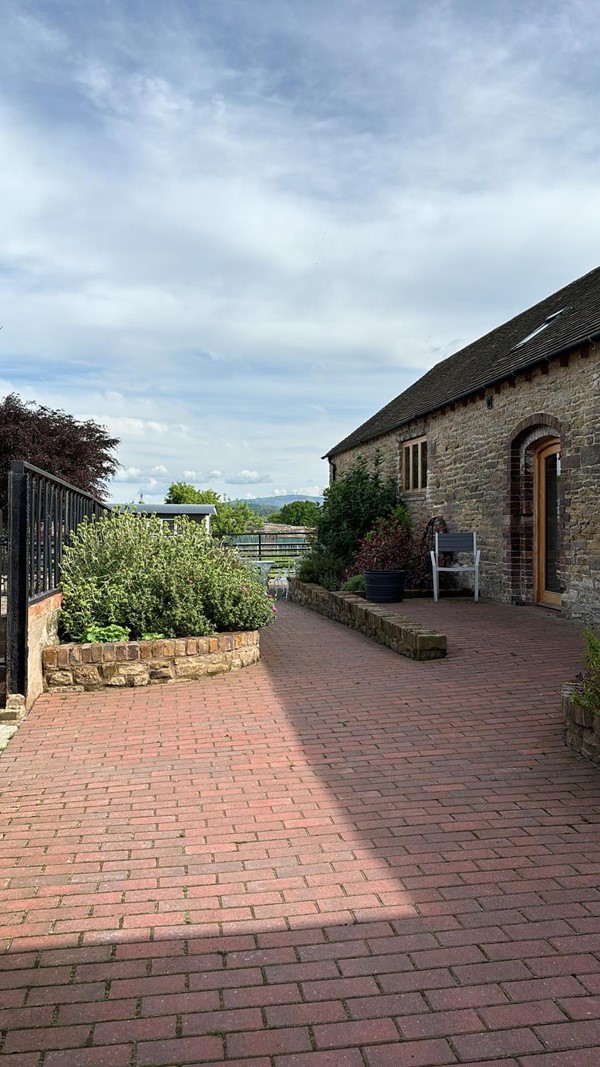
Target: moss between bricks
75 668
402 635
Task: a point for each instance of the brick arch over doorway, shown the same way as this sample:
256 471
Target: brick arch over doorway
520 538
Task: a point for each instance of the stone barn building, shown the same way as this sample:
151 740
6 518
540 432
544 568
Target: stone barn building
503 438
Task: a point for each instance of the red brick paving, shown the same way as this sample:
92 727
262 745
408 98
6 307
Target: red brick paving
336 858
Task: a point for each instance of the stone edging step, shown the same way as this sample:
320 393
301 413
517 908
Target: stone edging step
402 635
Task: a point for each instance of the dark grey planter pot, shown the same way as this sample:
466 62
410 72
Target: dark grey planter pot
384 587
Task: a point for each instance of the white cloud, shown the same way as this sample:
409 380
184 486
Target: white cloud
292 228
246 477
129 474
201 476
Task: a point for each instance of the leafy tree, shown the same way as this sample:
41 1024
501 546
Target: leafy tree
231 518
78 452
184 493
298 513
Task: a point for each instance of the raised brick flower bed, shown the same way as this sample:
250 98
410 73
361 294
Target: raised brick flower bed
404 636
582 725
74 668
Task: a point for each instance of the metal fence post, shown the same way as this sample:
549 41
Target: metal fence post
18 551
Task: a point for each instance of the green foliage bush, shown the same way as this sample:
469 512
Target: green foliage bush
351 506
589 694
322 568
136 572
99 634
354 585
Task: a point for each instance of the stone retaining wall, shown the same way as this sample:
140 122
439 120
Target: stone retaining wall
583 727
74 668
402 635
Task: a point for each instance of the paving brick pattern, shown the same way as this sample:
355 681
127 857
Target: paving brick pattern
336 858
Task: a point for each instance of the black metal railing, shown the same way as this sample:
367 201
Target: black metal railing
270 546
43 512
3 559
55 511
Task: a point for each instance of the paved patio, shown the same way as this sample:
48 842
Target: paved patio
336 858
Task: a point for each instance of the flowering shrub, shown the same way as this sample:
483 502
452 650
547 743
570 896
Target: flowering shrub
138 573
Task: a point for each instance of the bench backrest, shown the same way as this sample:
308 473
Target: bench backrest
455 542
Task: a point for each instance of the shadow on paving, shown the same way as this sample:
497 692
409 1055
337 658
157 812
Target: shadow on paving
336 858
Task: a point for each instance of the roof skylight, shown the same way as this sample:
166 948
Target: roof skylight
539 329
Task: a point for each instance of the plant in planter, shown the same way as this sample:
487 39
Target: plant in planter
587 694
383 556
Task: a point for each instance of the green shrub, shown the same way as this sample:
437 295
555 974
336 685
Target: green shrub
354 585
322 568
589 694
136 572
351 506
99 634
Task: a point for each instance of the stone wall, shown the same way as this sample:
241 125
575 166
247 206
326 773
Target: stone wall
583 727
74 668
474 449
402 635
42 631
386 447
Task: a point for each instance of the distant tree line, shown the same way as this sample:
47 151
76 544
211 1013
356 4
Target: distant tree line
230 519
238 517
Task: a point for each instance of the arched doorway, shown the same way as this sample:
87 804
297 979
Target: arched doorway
533 561
548 588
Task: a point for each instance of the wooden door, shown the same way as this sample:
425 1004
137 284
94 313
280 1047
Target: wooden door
547 525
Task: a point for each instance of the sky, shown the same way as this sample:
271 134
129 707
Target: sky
231 230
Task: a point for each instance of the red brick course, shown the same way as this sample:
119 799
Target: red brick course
337 858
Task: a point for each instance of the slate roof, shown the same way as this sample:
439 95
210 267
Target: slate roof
494 357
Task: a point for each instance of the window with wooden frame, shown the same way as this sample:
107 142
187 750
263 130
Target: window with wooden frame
414 465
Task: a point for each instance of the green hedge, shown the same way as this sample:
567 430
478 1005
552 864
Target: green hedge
135 571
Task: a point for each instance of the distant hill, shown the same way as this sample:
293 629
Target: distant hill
265 505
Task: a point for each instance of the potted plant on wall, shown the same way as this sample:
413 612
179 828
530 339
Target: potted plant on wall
383 556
